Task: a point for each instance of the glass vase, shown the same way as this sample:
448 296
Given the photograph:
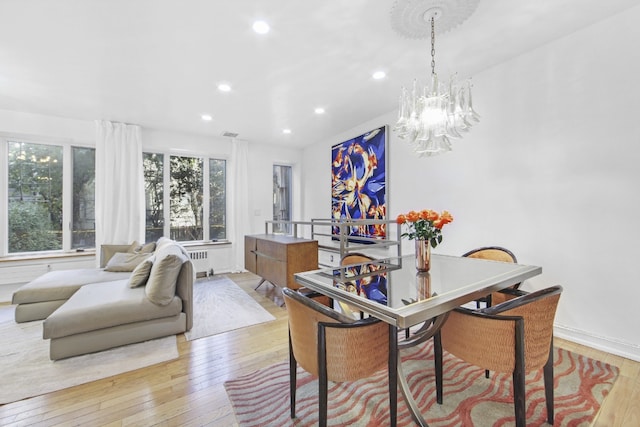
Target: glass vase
423 255
423 285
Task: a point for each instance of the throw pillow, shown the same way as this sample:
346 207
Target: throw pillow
147 248
109 250
161 286
125 261
141 273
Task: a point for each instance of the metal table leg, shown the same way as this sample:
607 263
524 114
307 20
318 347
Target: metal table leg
425 333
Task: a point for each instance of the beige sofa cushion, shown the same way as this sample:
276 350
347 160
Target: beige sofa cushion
104 305
60 285
141 273
108 251
125 261
161 286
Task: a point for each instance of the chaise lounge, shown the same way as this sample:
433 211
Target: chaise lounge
90 310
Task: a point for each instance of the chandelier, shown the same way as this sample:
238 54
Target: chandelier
430 115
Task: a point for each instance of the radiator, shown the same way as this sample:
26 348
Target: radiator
200 260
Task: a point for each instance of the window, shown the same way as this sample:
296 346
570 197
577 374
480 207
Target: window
282 197
84 189
186 198
49 191
35 197
153 165
187 201
40 199
217 199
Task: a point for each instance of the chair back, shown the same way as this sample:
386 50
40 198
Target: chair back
355 258
488 337
495 253
354 349
538 309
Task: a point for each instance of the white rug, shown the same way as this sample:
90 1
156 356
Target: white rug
6 293
219 305
27 370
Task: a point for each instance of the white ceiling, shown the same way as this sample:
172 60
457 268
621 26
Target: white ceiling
157 63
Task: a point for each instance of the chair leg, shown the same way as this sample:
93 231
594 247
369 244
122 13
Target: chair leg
519 395
322 397
322 377
392 371
519 399
293 365
437 358
548 385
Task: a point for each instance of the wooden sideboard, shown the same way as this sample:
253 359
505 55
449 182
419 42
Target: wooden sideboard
276 258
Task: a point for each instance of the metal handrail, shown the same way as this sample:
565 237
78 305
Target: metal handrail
347 243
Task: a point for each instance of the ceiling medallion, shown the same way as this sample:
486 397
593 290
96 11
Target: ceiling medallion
412 18
429 115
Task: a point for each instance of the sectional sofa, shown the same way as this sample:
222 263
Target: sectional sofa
141 292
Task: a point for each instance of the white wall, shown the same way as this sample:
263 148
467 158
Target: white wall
53 128
551 172
261 160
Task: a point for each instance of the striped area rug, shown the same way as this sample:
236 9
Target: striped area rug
581 384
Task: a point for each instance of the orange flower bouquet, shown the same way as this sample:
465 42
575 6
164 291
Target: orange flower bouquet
425 225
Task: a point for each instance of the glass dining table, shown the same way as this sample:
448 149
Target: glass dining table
392 290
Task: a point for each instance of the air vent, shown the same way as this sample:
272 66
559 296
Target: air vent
229 134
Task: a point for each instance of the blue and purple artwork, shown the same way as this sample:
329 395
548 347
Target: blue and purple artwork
358 187
371 285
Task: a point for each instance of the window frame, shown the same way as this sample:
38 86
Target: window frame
284 228
206 230
67 190
226 199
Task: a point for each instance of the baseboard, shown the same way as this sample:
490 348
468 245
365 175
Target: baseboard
619 348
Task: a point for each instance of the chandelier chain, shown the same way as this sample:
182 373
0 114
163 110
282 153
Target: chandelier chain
433 46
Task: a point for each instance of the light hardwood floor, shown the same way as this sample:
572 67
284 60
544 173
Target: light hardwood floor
189 391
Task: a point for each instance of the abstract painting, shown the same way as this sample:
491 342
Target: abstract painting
358 183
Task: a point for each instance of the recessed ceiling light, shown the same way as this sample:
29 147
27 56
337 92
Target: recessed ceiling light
378 75
224 87
319 110
286 131
206 117
261 27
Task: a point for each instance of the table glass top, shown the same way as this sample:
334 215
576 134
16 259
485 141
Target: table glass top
393 287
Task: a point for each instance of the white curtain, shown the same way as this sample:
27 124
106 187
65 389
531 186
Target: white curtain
239 210
120 203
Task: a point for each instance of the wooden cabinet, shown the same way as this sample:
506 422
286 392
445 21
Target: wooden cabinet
277 258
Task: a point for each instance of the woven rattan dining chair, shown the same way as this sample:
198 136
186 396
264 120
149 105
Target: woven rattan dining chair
331 346
494 253
513 337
